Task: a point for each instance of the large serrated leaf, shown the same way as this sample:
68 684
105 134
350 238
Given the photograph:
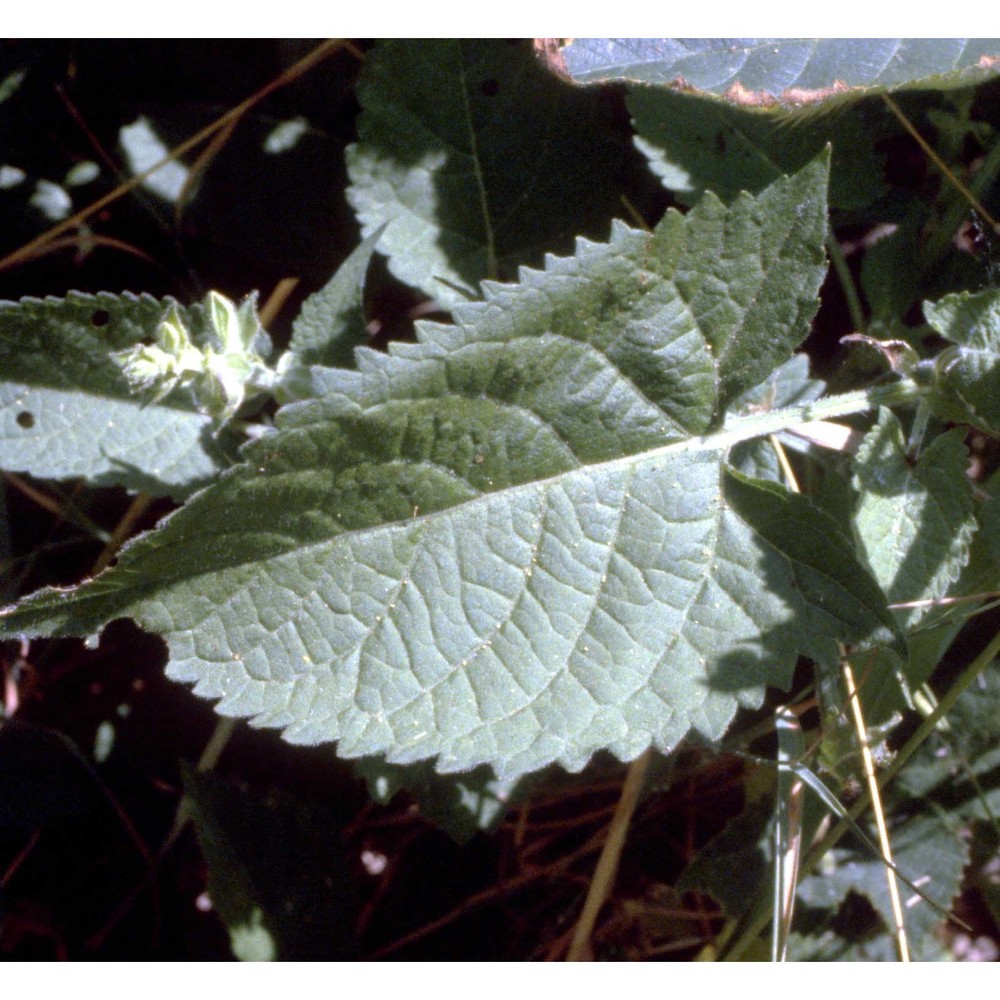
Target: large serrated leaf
479 160
66 410
513 542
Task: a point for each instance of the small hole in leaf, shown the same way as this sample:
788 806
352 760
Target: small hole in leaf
490 88
25 419
101 317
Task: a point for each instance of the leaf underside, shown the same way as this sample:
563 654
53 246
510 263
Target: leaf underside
776 65
515 542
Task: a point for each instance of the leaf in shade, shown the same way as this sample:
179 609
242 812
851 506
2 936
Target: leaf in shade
479 160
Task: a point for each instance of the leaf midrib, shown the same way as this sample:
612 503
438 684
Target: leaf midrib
490 244
739 429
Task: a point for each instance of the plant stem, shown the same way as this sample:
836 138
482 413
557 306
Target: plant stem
844 404
871 779
854 306
940 164
607 864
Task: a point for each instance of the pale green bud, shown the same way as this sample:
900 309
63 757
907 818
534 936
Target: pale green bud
222 374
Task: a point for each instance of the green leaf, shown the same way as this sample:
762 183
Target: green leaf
785 386
915 519
728 116
514 542
926 848
11 83
966 386
969 319
958 768
781 67
479 160
983 571
67 410
954 777
695 143
982 877
939 626
7 592
889 278
735 863
332 322
836 586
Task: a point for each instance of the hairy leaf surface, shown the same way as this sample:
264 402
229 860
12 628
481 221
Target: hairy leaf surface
695 142
732 114
517 542
772 66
